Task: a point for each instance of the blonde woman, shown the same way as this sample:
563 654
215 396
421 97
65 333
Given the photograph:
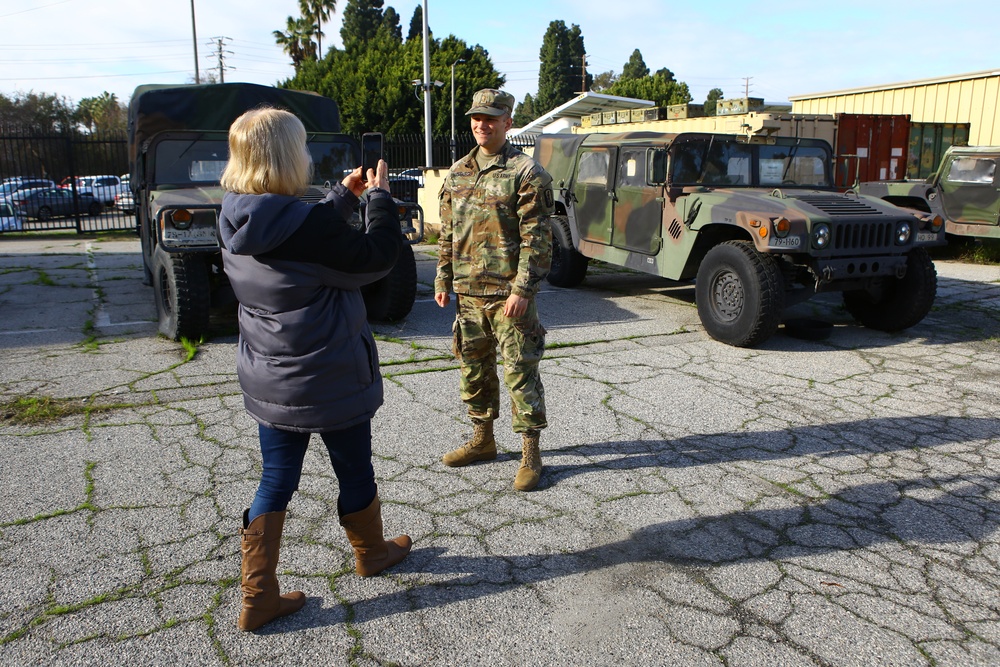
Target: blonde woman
306 361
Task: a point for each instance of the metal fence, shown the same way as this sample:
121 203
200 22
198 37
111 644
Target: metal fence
61 157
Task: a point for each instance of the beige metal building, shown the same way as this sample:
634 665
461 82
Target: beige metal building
972 99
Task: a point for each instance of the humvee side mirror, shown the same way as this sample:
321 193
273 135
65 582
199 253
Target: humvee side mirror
657 166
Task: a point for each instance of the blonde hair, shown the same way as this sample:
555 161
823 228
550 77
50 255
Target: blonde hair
267 154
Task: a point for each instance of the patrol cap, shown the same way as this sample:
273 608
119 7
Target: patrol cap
491 102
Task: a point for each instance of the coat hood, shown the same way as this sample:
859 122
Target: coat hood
255 224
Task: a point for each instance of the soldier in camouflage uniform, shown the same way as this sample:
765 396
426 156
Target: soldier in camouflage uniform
494 250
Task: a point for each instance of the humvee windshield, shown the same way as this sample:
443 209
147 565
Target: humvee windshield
182 162
709 161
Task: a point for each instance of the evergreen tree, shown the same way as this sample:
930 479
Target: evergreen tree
391 22
417 24
714 96
580 79
603 81
362 20
665 73
635 68
555 70
524 112
35 112
655 88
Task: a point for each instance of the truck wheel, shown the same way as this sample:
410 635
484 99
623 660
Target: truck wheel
95 209
569 267
740 294
391 298
180 285
894 304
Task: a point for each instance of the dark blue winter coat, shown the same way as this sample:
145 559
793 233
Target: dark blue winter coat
307 359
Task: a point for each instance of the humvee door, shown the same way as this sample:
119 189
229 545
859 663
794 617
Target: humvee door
638 207
970 190
593 191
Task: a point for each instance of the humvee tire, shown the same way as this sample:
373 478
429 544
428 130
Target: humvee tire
569 267
391 298
181 288
740 294
894 304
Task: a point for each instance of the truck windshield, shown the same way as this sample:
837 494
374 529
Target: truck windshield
714 161
202 161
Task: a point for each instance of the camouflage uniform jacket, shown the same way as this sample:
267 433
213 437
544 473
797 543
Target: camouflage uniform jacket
495 236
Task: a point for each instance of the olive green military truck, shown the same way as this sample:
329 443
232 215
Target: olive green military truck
178 147
754 220
965 191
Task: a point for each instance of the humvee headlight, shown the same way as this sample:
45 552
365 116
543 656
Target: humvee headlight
903 232
181 218
781 227
821 236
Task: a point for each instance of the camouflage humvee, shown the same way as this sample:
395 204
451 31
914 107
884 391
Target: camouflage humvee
965 191
178 147
755 220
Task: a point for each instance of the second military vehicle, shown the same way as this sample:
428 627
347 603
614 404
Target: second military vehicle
754 220
178 147
965 191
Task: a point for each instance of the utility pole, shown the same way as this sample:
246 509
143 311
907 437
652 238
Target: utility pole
427 85
583 79
746 86
194 39
220 54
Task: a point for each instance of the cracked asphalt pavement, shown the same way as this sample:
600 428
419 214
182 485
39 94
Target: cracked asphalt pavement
831 502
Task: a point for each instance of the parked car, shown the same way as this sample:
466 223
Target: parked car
404 183
10 221
104 188
125 201
46 203
17 184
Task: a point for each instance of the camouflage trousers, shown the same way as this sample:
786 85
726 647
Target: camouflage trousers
479 330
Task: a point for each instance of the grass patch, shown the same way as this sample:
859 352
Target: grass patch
34 410
969 250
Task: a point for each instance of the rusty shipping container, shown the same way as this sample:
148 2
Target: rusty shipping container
871 147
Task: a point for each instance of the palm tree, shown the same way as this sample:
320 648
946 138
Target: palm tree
318 12
296 40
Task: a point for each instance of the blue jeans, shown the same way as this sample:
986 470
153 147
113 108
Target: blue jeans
283 452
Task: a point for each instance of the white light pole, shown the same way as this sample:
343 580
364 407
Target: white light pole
427 92
454 143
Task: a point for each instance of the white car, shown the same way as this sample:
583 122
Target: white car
10 221
104 188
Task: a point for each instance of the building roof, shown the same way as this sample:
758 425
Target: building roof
582 105
902 84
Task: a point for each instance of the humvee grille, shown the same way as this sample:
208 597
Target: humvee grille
314 194
839 205
863 235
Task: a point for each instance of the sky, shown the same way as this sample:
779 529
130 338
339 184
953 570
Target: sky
773 50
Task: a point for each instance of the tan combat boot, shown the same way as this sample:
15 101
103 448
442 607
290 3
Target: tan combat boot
481 447
530 470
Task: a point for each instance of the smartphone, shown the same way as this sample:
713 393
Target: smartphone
371 152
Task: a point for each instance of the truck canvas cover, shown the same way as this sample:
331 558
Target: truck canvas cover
158 108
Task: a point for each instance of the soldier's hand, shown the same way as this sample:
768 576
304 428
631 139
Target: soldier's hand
515 306
442 299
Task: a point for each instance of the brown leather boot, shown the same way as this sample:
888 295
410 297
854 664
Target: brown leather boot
372 552
481 447
262 598
530 470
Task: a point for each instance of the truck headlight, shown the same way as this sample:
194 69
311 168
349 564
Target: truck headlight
903 232
181 218
821 236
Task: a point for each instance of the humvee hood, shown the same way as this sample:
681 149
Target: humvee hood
255 224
